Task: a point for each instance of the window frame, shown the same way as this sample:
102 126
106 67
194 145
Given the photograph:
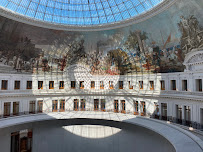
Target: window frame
40 85
51 85
111 85
92 84
61 84
162 82
29 85
3 87
73 84
17 85
141 85
120 84
101 84
151 85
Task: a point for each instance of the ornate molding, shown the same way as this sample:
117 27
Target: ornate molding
194 60
191 96
142 17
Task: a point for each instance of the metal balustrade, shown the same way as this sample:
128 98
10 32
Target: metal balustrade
180 122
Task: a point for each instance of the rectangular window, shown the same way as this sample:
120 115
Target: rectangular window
162 82
61 84
51 84
15 108
40 106
156 110
143 108
54 105
29 85
173 84
40 84
92 84
151 85
187 112
141 85
123 106
76 104
21 141
116 106
17 85
73 84
101 85
184 85
130 85
120 84
62 105
82 85
7 108
164 111
201 117
4 84
103 105
96 104
136 108
198 84
82 104
110 84
32 107
179 114
15 140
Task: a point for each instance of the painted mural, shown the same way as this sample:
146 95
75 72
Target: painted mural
157 45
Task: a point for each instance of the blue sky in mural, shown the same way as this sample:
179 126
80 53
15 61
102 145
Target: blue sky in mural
80 12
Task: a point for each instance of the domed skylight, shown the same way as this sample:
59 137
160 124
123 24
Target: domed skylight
80 12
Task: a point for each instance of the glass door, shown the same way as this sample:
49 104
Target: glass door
7 108
103 105
96 104
82 104
123 106
15 108
115 105
76 104
62 105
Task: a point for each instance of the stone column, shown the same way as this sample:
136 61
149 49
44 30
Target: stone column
1 108
139 108
191 83
36 102
160 110
58 105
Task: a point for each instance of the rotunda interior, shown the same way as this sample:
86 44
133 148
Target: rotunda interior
101 75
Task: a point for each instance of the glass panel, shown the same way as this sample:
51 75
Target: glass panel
80 12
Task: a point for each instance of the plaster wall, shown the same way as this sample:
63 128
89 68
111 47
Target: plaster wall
54 139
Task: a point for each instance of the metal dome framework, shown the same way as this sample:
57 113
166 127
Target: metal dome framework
80 12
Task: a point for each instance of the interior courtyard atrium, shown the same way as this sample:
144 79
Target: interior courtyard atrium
101 75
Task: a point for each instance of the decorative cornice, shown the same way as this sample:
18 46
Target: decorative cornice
193 58
165 95
142 17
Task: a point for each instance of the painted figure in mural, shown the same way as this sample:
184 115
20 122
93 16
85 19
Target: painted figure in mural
135 41
14 62
19 64
119 61
63 63
192 33
7 59
76 51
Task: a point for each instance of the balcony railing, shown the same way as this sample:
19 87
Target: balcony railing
169 119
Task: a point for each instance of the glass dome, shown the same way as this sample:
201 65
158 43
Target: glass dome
80 12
